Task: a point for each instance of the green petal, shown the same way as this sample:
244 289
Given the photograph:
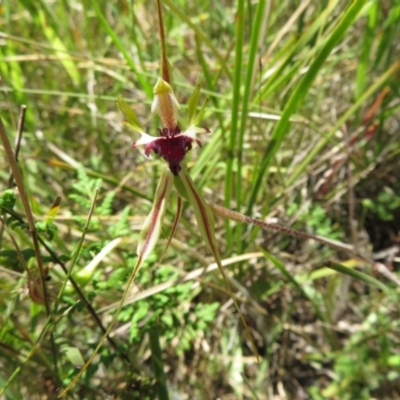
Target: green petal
131 119
194 101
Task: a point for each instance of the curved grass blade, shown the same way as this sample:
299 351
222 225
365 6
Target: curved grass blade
174 226
326 138
358 275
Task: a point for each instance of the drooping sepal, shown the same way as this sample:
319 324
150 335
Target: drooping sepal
206 224
178 214
153 223
204 216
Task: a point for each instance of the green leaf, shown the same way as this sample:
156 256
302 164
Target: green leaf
158 365
7 199
60 49
47 228
282 127
74 355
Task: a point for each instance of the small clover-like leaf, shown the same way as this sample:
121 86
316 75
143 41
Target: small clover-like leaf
47 228
7 199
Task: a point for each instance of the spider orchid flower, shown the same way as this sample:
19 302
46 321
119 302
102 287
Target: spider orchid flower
172 144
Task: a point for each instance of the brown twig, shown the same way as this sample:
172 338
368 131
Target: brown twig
25 202
18 139
235 216
20 129
29 216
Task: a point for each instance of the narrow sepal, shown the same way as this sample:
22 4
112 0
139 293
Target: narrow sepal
204 215
153 223
175 225
206 224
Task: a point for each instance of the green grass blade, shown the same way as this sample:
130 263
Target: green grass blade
286 55
147 88
234 114
353 273
200 34
59 49
369 35
300 92
325 140
255 39
157 362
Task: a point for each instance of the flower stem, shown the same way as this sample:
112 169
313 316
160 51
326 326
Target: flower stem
165 73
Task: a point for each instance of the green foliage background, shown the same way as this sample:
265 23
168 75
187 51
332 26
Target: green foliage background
295 137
